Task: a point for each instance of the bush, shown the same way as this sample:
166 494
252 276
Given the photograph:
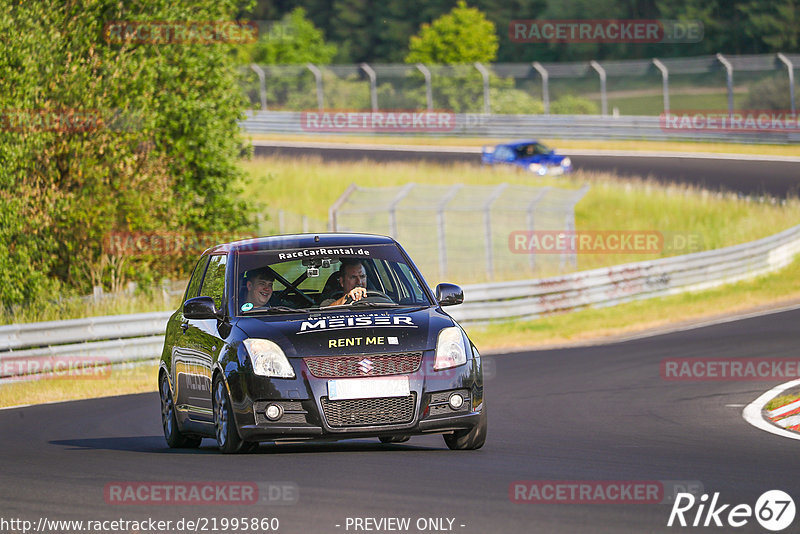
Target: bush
573 105
158 153
770 93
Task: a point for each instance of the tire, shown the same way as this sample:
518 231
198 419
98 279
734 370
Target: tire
394 439
228 439
469 440
169 423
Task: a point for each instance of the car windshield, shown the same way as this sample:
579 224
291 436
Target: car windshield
314 278
533 149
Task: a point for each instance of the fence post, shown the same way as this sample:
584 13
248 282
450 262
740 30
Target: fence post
487 227
487 106
603 96
305 224
428 87
545 85
729 76
373 85
318 77
440 225
786 61
569 223
262 81
393 207
529 219
665 79
333 211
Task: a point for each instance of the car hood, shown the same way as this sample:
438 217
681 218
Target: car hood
350 332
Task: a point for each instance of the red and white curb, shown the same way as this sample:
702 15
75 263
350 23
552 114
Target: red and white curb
787 416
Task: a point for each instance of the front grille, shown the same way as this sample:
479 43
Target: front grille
365 412
355 366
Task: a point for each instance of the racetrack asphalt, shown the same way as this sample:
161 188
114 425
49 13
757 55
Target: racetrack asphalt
583 413
778 177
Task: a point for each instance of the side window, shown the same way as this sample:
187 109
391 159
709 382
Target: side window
214 281
504 153
409 282
197 277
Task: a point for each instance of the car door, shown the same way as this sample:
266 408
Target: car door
199 346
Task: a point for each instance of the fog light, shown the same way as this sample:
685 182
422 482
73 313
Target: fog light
274 412
456 401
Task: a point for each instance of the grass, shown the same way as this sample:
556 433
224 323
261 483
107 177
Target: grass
573 327
308 187
648 146
123 379
781 400
594 323
77 307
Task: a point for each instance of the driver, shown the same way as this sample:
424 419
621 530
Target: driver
259 286
353 279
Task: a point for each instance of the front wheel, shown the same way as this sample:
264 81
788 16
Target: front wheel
468 440
175 438
228 439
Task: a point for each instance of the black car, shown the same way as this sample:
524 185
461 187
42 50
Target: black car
271 343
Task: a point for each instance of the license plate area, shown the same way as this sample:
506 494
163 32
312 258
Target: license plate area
368 388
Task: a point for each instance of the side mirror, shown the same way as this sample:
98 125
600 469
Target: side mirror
200 308
449 294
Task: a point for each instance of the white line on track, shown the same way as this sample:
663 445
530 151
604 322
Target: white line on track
752 412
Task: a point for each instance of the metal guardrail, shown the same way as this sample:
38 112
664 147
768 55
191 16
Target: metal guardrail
140 336
525 126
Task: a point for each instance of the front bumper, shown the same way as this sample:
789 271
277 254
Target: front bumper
307 413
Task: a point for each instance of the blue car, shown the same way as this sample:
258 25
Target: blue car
530 155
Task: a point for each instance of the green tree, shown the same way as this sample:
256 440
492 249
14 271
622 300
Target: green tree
294 40
464 35
158 152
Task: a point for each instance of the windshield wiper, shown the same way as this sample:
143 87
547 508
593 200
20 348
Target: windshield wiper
359 303
281 309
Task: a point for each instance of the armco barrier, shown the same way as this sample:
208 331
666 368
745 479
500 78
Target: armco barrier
140 336
542 126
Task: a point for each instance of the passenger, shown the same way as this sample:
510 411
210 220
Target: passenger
353 280
259 286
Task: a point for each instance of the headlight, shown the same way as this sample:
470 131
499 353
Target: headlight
268 359
450 351
534 167
566 162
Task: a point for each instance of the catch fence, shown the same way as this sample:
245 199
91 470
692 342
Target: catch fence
461 232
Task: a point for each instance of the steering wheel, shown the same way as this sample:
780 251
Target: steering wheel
373 295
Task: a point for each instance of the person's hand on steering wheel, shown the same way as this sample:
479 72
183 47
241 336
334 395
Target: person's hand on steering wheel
355 294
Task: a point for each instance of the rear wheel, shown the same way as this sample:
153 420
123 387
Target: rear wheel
228 439
465 440
175 439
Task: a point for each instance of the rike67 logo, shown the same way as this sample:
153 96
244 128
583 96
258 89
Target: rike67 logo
774 510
